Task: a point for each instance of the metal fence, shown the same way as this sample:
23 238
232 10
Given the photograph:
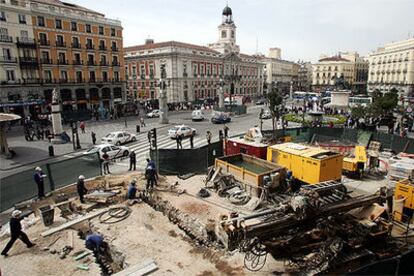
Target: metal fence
21 186
184 161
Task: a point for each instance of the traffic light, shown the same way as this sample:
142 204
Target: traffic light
153 133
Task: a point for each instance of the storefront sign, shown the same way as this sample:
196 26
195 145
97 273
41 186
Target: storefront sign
22 103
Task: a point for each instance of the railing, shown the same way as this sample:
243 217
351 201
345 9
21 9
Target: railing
44 42
6 38
25 42
61 44
114 49
31 81
102 48
63 62
76 45
28 61
77 62
46 61
91 63
103 63
90 47
115 63
8 59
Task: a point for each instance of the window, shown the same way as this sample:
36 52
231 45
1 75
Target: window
63 75
116 76
113 32
223 34
88 28
89 43
2 16
58 24
59 41
62 58
102 45
232 34
134 70
6 54
151 70
74 26
103 60
91 60
101 30
40 21
43 39
105 76
78 76
114 48
47 75
92 76
75 42
22 19
114 60
10 75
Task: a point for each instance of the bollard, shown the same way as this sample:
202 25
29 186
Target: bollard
138 129
51 151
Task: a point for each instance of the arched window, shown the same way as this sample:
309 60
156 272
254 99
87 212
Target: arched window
232 34
223 34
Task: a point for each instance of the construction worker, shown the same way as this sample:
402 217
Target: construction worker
94 242
81 188
16 233
105 163
132 190
150 175
39 179
179 139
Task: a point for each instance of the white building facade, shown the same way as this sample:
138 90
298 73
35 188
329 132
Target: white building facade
392 67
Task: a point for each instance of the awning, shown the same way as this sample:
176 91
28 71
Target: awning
27 103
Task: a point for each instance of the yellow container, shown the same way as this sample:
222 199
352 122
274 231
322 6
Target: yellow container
308 164
405 189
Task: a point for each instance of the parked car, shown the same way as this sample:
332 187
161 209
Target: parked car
197 115
220 118
112 151
182 130
260 102
118 138
266 114
154 114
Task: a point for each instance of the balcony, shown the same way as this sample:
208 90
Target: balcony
63 81
92 80
90 47
44 42
103 63
115 63
24 42
77 62
28 62
76 45
46 61
31 81
61 44
185 75
8 59
102 48
6 38
63 62
114 49
91 63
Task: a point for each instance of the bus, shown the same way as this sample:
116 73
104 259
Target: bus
360 100
306 95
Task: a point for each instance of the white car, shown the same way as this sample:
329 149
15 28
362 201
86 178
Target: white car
182 130
197 115
118 138
112 151
154 114
266 114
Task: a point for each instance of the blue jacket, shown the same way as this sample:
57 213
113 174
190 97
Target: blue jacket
132 191
93 241
38 177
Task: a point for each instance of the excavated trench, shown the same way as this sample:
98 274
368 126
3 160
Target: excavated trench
107 257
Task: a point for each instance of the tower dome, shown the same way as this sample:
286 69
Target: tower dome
227 11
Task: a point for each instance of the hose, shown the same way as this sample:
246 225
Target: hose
114 215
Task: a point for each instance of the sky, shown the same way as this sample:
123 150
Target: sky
303 29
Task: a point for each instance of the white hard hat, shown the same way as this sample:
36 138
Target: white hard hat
81 177
16 213
134 180
38 169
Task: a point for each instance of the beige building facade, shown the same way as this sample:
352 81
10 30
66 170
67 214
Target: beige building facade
392 67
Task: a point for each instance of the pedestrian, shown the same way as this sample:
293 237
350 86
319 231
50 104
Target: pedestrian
142 121
149 137
105 163
16 233
93 135
39 179
208 136
226 131
81 188
192 141
179 139
82 126
132 160
221 135
151 163
150 175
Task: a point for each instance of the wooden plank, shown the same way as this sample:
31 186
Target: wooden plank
144 268
73 222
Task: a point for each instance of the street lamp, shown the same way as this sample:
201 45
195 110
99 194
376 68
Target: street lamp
221 83
163 96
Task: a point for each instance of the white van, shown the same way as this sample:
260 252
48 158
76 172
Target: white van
197 115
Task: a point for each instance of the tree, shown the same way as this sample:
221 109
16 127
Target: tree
383 104
275 100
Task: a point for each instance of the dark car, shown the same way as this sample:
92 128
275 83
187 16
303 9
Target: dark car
221 119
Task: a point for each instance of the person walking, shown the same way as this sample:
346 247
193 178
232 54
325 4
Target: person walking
93 135
132 161
192 141
39 179
105 163
208 137
149 137
80 186
179 140
226 132
82 126
142 121
16 233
